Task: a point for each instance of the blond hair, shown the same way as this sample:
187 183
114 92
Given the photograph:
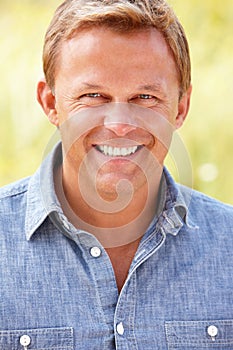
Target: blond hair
120 16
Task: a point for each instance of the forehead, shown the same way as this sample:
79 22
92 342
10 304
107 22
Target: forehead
103 37
103 50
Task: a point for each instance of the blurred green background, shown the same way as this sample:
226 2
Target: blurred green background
207 135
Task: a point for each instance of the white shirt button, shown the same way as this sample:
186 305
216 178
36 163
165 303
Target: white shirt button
212 331
120 328
25 340
95 252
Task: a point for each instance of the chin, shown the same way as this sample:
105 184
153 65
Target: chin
110 187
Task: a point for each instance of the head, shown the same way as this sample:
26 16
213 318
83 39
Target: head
122 16
133 53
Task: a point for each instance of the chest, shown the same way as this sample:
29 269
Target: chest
63 297
121 259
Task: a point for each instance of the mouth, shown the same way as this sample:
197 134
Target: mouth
117 151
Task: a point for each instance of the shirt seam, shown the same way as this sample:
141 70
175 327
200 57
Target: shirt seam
13 194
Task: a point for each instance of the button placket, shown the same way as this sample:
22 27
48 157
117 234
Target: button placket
125 314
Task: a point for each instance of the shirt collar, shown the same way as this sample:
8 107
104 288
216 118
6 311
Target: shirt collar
41 197
42 200
172 212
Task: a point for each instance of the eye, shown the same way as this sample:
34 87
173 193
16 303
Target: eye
93 95
146 100
92 98
145 97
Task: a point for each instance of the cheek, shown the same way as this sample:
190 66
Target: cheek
73 149
63 108
74 136
161 147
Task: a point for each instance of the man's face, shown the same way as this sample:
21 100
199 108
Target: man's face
99 68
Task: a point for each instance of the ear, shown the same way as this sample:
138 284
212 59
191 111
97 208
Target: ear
47 101
183 108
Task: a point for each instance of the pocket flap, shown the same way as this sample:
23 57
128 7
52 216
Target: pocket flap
37 339
197 333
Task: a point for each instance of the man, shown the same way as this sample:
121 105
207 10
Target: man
101 249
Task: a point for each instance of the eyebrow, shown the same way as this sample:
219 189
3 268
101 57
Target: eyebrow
90 86
152 87
147 87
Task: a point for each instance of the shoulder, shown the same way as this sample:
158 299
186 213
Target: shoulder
13 204
14 189
206 201
13 198
207 209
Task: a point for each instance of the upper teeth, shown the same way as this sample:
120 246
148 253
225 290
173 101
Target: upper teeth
117 151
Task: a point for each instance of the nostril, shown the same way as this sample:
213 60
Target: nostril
120 129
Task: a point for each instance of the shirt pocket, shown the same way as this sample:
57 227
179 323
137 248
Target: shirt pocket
200 335
37 339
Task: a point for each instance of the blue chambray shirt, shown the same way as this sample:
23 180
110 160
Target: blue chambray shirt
56 295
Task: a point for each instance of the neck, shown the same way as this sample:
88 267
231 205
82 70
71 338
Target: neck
111 226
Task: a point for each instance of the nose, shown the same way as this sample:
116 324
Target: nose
120 119
120 129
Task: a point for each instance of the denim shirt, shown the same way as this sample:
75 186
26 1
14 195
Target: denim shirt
57 295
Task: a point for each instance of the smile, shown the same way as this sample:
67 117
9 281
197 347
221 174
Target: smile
117 151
